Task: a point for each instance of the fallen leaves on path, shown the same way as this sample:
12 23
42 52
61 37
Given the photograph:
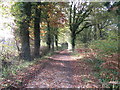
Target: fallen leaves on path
61 70
64 71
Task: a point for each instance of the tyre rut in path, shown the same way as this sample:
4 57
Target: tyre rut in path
59 72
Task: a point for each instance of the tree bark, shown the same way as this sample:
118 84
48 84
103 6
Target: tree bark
52 44
95 32
48 37
73 37
37 32
25 44
100 31
118 41
56 41
24 33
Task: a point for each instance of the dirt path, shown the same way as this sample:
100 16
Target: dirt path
64 71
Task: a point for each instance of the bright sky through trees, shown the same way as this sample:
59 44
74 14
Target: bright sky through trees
5 20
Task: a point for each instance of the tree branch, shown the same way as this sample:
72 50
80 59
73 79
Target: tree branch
86 14
86 26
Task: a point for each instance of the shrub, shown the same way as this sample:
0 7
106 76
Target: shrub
107 46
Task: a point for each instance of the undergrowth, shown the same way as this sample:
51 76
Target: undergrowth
104 75
13 65
106 46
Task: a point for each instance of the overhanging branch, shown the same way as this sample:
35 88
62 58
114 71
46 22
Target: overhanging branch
83 28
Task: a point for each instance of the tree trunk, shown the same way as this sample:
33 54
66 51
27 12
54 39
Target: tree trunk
25 44
48 37
24 32
100 32
118 41
37 32
95 32
73 37
52 44
16 43
56 41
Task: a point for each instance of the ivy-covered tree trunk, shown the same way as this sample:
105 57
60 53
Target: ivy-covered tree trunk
24 32
37 31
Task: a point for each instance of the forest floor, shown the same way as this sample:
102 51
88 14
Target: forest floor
64 70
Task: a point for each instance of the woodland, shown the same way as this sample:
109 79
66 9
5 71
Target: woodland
60 45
